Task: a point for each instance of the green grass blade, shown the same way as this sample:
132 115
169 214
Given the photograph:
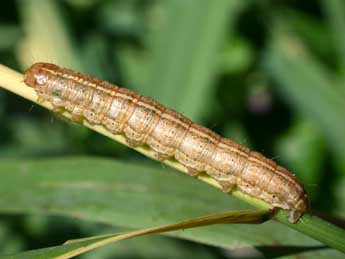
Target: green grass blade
76 247
137 196
303 135
9 35
47 38
335 11
186 51
320 229
134 66
299 76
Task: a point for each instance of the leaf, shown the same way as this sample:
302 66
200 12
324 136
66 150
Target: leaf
146 248
46 35
10 241
9 35
133 65
307 164
76 247
340 196
238 56
309 89
335 11
94 50
122 18
314 33
27 138
133 196
186 48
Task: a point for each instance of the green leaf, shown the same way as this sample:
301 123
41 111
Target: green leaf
186 51
133 66
307 164
68 250
94 50
122 18
238 56
134 196
9 35
237 132
335 11
46 38
10 241
146 248
27 135
314 33
309 88
340 196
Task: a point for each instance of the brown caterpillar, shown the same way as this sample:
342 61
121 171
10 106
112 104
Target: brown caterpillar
169 134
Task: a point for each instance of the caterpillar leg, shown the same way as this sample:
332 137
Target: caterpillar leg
192 171
294 216
77 114
227 186
133 143
77 118
111 125
160 156
41 99
133 137
57 109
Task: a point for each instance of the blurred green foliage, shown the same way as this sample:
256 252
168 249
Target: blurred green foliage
270 74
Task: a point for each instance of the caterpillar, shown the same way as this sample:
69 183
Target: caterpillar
169 134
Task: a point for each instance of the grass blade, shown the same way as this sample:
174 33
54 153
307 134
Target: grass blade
73 248
46 36
120 196
335 11
299 77
182 68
